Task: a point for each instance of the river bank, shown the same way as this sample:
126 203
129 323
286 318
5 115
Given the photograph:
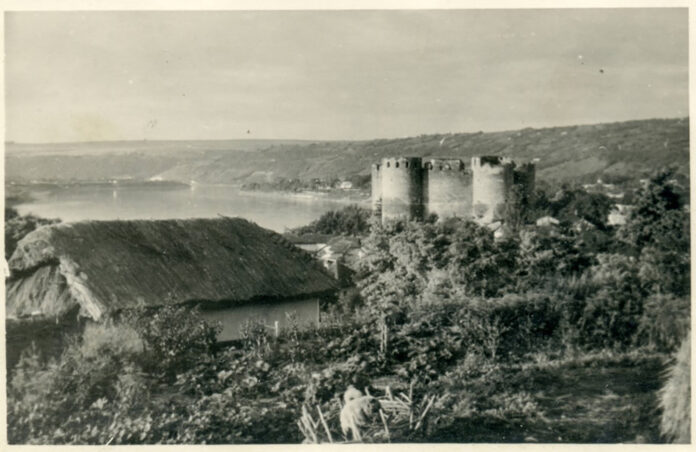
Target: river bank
343 196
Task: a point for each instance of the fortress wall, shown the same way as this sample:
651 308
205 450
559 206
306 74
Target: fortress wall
402 188
409 187
492 178
448 187
376 188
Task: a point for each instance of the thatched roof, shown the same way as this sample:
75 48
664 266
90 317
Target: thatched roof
102 266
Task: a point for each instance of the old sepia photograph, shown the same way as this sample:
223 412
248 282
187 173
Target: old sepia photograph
347 226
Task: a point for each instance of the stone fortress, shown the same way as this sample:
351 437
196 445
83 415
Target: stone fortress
415 187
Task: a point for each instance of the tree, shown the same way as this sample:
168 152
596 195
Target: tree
351 220
516 209
549 253
658 217
572 203
657 231
408 261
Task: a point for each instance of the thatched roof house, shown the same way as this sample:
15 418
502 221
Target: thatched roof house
104 266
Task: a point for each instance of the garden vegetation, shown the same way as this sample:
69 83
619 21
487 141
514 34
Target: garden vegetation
557 333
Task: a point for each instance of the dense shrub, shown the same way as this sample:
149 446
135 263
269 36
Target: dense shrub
407 263
428 343
525 322
176 338
570 204
550 253
658 217
437 335
351 220
665 271
45 398
104 386
222 418
665 319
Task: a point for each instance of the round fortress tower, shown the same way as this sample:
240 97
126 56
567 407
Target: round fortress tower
376 189
447 188
402 188
492 178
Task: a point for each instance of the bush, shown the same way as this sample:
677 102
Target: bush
658 218
176 338
665 271
408 263
221 418
438 335
46 401
256 337
548 254
431 341
351 220
665 320
604 305
29 406
105 385
524 323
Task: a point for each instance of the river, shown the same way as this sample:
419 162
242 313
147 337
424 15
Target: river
276 211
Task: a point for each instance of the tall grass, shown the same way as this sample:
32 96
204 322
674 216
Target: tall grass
675 397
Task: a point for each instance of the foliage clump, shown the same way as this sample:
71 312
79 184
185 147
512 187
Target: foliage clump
351 220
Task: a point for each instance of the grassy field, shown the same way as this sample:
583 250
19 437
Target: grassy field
597 398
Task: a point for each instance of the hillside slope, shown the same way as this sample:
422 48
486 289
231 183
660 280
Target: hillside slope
616 151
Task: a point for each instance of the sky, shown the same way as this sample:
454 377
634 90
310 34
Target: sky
324 75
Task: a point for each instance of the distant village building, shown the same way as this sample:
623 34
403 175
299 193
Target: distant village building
413 187
547 221
618 214
339 255
609 190
231 268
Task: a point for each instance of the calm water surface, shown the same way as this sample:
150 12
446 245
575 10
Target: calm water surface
106 202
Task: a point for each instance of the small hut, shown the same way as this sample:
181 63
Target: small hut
232 268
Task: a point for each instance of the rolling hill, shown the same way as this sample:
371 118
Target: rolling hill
616 151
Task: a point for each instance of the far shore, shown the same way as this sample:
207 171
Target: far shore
355 197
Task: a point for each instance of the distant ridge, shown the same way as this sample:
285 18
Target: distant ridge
67 147
620 150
